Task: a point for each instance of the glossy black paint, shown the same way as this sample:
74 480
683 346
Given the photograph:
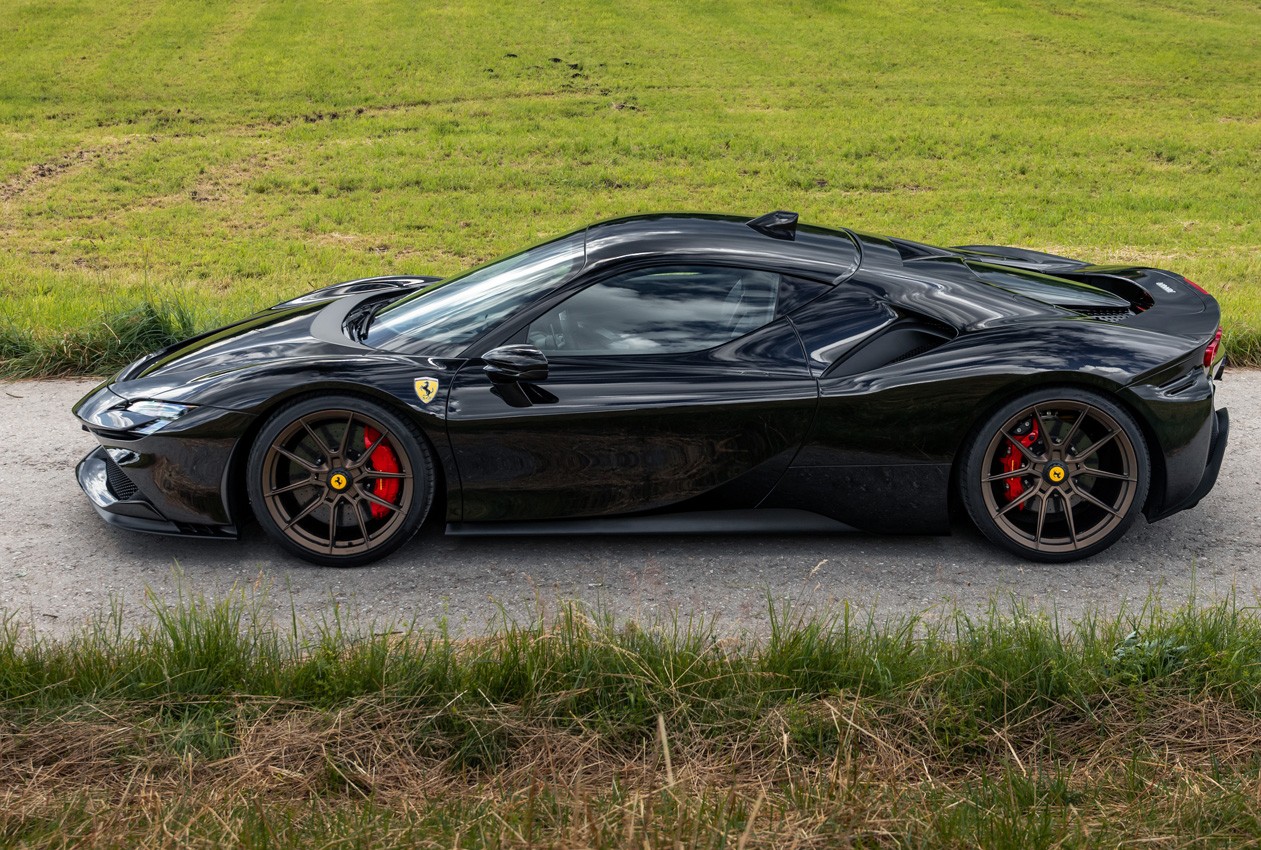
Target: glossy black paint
852 406
515 364
180 471
626 434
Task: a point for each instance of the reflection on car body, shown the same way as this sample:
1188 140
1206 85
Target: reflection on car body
682 372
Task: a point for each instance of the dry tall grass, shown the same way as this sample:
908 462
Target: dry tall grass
1159 745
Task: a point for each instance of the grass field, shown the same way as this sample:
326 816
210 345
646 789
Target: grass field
207 727
212 157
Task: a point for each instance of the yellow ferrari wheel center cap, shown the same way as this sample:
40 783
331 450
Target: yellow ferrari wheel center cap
1056 473
339 481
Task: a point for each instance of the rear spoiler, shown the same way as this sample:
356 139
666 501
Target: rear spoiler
1005 255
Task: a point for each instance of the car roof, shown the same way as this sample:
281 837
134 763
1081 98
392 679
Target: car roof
703 237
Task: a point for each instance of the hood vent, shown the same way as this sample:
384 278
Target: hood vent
1105 314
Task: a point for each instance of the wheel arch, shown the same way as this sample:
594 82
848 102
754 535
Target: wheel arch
1114 392
234 487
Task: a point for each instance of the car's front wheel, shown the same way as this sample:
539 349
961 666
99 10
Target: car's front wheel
339 480
1056 475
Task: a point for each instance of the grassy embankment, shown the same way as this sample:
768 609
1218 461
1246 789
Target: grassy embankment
210 728
169 165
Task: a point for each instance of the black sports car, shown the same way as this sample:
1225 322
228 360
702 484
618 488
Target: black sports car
682 372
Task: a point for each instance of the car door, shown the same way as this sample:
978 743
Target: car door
680 385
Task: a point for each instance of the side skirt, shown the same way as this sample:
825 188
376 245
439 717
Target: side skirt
765 521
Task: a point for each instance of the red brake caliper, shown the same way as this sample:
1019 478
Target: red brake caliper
1011 460
382 460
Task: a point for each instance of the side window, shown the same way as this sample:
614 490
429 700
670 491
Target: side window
795 292
661 310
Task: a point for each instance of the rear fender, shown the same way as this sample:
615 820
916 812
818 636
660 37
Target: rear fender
922 410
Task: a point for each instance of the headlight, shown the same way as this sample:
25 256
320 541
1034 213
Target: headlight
144 416
159 412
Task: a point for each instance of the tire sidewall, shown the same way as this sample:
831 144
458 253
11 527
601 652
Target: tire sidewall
407 438
970 485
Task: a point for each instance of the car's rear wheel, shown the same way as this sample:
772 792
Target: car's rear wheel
340 480
1056 475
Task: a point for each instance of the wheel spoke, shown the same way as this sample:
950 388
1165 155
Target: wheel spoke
376 473
314 436
1103 473
1037 534
1043 426
1023 497
297 485
1090 497
332 523
1068 517
1003 476
1094 449
1029 456
302 513
345 443
305 464
363 526
377 500
367 456
1072 431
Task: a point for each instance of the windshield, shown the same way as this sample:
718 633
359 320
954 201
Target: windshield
443 319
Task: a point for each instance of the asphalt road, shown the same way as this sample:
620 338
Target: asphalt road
59 563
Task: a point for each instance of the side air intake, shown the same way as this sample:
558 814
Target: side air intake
909 337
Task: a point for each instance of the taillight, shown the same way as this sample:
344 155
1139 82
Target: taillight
1210 353
1201 289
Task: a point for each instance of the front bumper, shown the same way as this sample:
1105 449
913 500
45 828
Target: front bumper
121 504
175 481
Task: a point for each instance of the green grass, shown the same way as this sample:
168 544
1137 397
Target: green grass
205 725
226 155
121 335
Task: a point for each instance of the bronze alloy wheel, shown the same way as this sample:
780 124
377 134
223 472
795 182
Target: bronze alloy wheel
1059 478
339 483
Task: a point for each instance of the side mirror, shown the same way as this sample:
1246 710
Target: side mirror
511 364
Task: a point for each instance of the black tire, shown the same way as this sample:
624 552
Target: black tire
320 481
1063 489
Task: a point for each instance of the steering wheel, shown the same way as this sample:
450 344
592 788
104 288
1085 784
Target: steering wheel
577 337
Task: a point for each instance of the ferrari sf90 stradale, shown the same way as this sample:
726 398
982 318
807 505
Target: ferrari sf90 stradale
682 373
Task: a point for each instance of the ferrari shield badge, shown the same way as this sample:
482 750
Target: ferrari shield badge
426 389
